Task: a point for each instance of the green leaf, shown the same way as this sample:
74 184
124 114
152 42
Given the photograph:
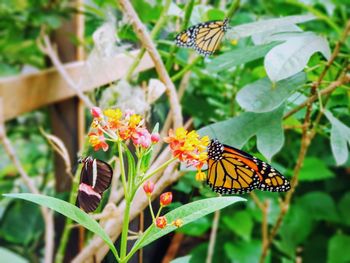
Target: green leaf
314 169
196 228
185 259
343 208
9 256
320 206
131 162
338 248
240 223
261 26
238 130
264 96
19 231
292 56
244 252
187 213
340 138
239 56
67 210
295 229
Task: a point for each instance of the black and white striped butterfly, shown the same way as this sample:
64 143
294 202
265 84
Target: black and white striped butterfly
95 178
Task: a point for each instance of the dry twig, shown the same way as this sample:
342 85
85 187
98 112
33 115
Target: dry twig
47 214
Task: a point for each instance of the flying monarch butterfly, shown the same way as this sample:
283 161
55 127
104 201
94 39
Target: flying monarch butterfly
204 37
232 171
95 178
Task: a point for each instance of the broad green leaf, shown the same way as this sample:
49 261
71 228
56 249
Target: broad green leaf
264 96
239 56
185 259
8 256
296 227
67 210
314 169
292 56
340 139
244 252
320 206
18 231
238 130
267 25
187 213
240 223
343 208
338 248
266 37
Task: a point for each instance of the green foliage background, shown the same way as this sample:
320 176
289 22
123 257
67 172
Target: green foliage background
317 225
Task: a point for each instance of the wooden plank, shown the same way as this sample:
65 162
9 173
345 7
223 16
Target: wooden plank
28 92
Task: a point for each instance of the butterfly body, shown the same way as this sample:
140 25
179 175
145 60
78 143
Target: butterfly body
232 171
204 37
95 178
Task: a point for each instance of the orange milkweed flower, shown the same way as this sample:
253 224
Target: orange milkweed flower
97 140
188 147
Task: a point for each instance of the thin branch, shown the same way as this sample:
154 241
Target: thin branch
49 51
46 213
147 42
162 19
213 233
307 135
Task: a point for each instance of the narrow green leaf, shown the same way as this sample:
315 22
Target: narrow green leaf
264 96
314 169
238 130
185 259
239 56
9 256
337 249
187 213
340 138
67 210
131 163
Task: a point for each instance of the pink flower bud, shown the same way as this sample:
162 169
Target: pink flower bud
148 187
96 112
155 137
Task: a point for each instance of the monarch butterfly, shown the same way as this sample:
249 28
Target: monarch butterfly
95 178
232 171
204 37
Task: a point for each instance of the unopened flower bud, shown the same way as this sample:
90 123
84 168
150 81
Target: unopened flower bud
96 112
166 198
161 222
155 137
148 187
178 223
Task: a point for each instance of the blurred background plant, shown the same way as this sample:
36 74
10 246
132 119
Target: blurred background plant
232 86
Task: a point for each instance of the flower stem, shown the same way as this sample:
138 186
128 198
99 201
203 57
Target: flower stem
148 176
124 238
151 209
122 169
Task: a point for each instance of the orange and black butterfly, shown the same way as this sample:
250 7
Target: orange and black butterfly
204 37
232 171
95 178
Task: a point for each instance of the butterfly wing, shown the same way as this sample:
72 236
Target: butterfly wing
230 175
95 178
270 178
231 171
204 37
